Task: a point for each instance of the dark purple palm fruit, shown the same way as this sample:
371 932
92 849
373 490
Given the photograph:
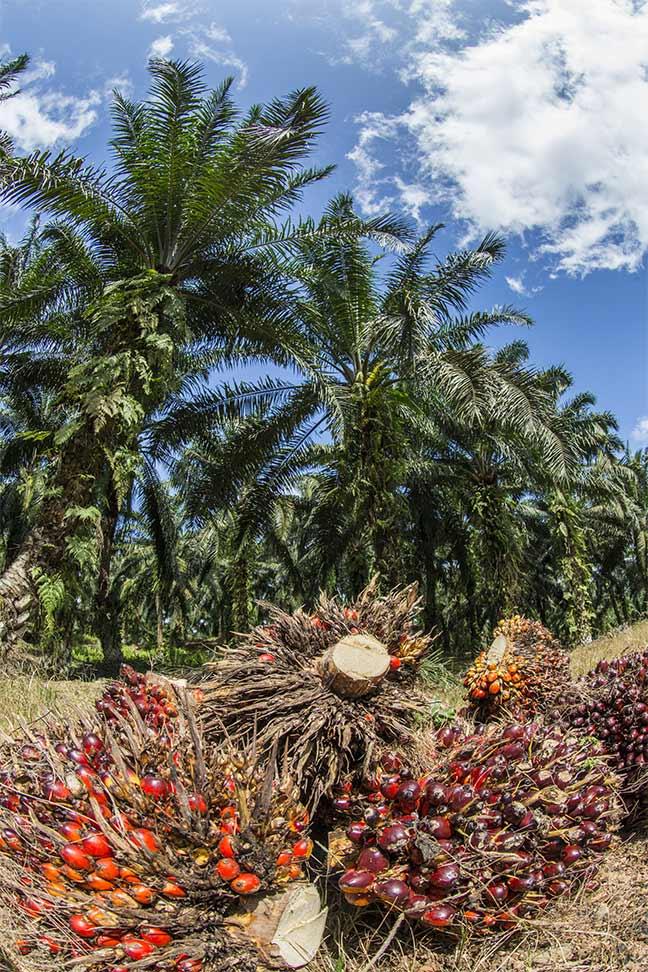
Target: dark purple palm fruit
508 819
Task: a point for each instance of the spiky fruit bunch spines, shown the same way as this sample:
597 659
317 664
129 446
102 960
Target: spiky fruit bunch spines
520 673
281 683
508 820
119 844
611 704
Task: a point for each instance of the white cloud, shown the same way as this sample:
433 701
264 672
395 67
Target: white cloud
362 33
160 13
39 118
161 46
532 125
519 286
639 434
121 83
213 43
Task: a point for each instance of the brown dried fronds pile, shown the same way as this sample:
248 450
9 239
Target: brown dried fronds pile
272 686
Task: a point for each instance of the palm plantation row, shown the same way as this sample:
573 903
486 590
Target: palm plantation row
149 496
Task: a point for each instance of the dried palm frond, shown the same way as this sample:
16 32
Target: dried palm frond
328 689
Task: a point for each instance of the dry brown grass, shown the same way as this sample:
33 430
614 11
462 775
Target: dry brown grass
24 699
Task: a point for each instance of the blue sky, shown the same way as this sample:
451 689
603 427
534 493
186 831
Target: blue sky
524 116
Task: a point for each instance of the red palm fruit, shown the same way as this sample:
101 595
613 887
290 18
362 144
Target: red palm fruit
76 876
96 845
189 965
73 855
120 899
356 881
57 889
142 894
156 936
108 941
50 871
82 926
395 663
96 883
154 787
137 949
57 792
303 848
246 883
440 916
53 946
24 946
445 877
226 847
358 900
78 756
558 887
284 858
389 786
172 889
32 906
572 853
71 831
11 839
92 743
392 891
521 883
120 822
98 916
197 803
439 827
357 831
267 657
393 838
145 839
228 869
372 859
107 869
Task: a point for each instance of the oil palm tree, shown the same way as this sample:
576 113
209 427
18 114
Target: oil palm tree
154 272
375 350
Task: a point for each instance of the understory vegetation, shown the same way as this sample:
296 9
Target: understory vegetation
207 401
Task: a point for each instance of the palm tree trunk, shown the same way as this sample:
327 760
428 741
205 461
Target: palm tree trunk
44 548
107 621
159 626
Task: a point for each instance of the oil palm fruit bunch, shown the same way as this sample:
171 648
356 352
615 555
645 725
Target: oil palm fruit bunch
329 689
520 673
504 822
611 704
132 841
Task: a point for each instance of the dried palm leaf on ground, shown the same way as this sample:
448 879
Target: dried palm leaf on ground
327 689
519 674
132 841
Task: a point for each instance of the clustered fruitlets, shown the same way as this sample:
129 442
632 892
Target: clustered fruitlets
611 704
131 840
273 685
508 820
520 673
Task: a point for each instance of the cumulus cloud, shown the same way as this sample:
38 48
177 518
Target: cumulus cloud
531 125
639 434
40 117
161 46
213 43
